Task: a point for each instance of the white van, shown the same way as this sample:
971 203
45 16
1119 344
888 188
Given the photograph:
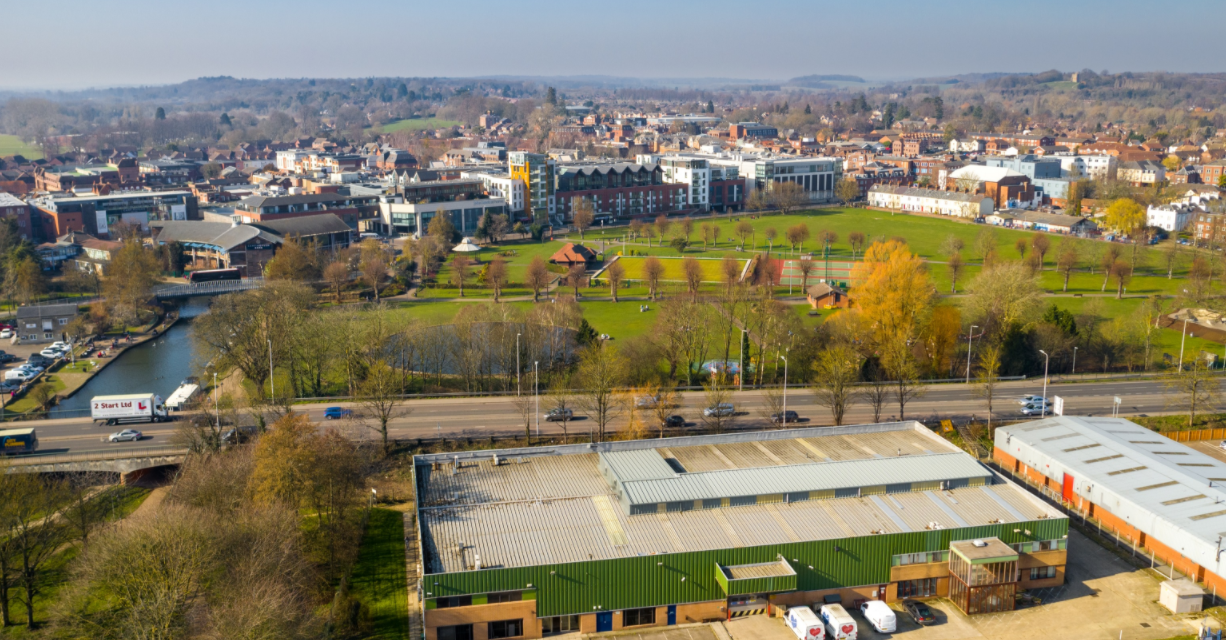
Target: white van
880 616
839 624
805 624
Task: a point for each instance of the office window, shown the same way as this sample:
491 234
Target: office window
505 596
559 624
1042 573
457 632
506 629
637 617
922 588
453 601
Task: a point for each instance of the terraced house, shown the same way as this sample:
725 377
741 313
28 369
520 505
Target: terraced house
601 537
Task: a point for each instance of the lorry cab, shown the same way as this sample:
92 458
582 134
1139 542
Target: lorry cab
805 624
839 624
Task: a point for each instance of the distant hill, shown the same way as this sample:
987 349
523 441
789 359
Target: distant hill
822 81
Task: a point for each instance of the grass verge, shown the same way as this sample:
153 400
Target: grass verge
378 578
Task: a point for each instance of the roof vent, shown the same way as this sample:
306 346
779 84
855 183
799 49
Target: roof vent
979 543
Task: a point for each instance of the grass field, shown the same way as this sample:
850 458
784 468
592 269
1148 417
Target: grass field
419 124
712 269
12 145
379 580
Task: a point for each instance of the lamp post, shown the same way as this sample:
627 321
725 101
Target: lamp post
1043 407
1074 370
741 378
216 412
970 336
518 387
536 382
1183 338
272 379
785 387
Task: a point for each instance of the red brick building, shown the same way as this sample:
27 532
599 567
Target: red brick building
11 207
1212 172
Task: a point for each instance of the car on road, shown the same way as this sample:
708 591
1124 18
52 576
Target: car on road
919 612
1036 409
1025 400
722 410
674 421
646 402
127 435
558 415
336 413
778 418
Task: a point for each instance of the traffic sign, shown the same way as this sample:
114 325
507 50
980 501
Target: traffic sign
947 426
1058 406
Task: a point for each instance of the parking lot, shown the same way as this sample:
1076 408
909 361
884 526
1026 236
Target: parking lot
1105 599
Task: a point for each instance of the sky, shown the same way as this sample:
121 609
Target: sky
85 43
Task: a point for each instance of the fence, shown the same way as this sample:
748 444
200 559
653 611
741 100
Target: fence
1195 435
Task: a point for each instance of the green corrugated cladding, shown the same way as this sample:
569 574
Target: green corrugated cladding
746 586
628 583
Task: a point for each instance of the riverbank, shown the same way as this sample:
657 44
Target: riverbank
67 379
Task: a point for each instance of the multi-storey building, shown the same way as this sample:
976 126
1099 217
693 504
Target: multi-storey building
1030 165
501 185
1140 173
752 130
415 204
619 190
1095 167
1213 172
692 171
350 208
536 171
99 214
817 176
19 211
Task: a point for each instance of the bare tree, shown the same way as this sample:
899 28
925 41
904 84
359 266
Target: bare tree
600 375
719 414
575 277
806 267
787 196
33 532
537 277
901 365
460 265
954 264
374 271
876 394
693 276
857 241
988 377
835 373
615 273
336 274
496 276
662 226
562 400
653 270
1195 388
666 400
1066 262
523 405
381 397
744 230
583 214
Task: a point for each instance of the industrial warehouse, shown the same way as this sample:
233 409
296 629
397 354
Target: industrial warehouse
539 541
1156 493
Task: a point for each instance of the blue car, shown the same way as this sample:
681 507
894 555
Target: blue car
336 413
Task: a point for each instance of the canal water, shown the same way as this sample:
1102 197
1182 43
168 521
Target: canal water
157 366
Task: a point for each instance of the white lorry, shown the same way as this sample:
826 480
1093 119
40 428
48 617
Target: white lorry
135 407
805 624
839 624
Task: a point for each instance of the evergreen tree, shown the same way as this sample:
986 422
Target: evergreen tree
710 107
225 120
551 96
160 114
808 110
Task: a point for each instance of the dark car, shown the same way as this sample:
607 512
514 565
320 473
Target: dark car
238 435
336 413
674 421
919 612
38 358
558 415
777 418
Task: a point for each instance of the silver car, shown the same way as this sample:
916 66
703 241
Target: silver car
127 435
722 410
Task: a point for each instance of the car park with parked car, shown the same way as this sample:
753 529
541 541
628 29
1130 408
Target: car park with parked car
919 612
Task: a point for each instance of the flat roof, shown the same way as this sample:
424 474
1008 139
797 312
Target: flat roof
553 505
985 550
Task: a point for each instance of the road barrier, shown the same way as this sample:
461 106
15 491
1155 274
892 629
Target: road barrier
53 458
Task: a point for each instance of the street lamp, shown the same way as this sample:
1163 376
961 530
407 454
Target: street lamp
785 387
1043 407
1074 370
1183 338
272 378
517 367
216 412
970 336
536 382
741 378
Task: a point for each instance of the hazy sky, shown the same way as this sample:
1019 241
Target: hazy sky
79 43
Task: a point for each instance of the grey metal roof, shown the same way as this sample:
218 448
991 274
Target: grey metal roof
303 226
47 310
219 234
1172 492
819 476
936 194
637 465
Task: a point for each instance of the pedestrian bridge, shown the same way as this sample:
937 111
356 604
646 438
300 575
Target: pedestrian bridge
125 463
218 287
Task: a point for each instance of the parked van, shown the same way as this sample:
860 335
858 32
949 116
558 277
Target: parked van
805 624
880 616
839 624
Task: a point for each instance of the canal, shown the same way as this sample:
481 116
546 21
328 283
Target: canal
157 366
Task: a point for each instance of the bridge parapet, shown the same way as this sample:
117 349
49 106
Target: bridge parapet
121 462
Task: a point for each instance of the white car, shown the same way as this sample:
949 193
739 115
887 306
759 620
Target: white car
5 334
646 402
127 435
59 344
33 368
1025 400
51 353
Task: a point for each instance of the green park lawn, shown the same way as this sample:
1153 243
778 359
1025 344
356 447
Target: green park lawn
378 578
712 268
13 145
419 124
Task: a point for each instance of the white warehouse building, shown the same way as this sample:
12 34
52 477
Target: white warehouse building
947 203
